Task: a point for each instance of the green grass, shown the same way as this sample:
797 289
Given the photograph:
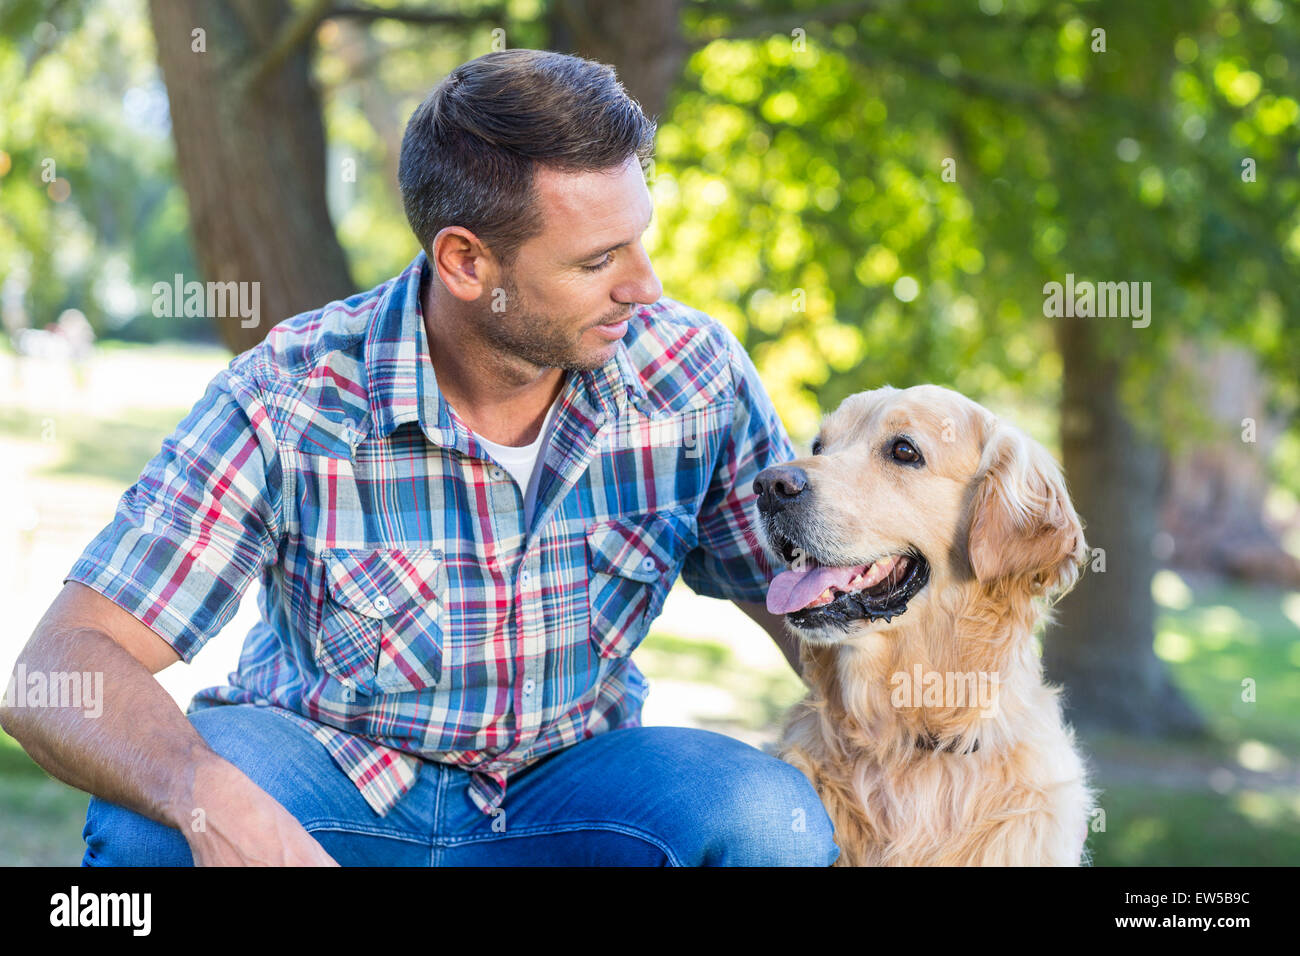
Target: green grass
162 350
761 697
114 450
1233 798
1232 634
40 817
1149 826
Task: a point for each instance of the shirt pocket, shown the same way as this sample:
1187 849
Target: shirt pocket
633 562
381 624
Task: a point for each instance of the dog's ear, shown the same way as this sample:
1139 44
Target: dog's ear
1023 524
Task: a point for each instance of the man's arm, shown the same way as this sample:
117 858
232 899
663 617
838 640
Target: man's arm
729 563
155 585
774 624
139 751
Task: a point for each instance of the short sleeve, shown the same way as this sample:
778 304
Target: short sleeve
202 520
728 563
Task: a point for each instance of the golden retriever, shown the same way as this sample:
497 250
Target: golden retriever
926 539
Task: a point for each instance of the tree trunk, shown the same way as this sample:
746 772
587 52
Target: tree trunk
1101 649
1214 508
641 39
252 165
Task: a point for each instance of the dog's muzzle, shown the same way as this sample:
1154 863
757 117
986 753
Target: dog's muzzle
813 593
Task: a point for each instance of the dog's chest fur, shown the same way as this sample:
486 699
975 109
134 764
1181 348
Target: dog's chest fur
1020 799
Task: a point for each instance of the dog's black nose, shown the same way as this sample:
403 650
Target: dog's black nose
778 486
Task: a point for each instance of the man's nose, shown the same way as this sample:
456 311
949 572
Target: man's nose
643 287
777 487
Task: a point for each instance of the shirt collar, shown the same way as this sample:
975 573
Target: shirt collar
403 388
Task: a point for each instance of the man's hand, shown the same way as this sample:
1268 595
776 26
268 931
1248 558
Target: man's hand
774 624
243 825
140 751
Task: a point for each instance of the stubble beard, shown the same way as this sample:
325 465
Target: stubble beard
538 339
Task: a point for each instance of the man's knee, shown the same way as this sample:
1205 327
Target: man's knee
116 836
265 747
772 816
750 809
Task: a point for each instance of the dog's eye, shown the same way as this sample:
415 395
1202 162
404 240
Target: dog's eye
904 451
817 446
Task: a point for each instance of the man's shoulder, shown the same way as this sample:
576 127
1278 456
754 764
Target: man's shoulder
296 347
314 361
684 357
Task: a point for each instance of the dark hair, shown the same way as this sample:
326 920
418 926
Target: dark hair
469 150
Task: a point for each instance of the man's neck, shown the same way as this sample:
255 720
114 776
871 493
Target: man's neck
499 399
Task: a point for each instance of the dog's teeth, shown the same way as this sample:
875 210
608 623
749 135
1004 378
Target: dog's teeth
824 598
878 572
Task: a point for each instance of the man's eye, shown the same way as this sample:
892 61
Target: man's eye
609 257
904 451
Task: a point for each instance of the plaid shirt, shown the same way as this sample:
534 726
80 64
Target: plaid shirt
406 611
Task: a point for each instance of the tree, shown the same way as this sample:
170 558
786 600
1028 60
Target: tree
250 151
887 200
1217 481
247 124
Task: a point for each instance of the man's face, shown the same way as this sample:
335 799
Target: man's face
573 285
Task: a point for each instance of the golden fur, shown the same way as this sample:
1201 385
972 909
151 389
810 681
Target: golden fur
990 512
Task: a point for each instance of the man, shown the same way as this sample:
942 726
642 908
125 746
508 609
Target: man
467 493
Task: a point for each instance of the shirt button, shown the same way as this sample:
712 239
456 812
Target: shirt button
383 604
529 686
647 564
497 474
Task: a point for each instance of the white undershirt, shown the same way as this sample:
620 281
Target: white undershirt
521 461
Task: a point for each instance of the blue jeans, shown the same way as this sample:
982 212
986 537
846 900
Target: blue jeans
639 796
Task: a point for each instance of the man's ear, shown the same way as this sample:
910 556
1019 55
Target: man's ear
461 262
1023 524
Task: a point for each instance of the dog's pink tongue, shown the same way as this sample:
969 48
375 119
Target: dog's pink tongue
795 590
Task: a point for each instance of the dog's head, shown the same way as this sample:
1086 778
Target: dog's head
912 497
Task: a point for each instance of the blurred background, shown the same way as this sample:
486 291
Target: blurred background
866 193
